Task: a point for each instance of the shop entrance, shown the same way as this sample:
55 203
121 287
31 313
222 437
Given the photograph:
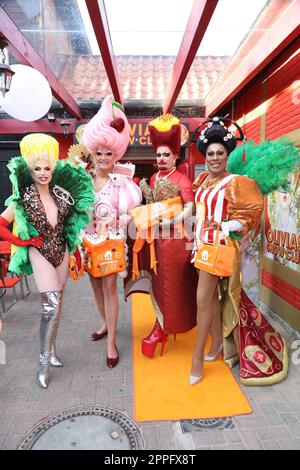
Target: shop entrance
145 170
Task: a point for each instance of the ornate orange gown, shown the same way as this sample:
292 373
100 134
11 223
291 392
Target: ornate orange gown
247 336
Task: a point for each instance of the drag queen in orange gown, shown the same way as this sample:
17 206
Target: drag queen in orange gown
233 203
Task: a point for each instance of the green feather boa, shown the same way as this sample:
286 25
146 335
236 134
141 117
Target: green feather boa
70 177
268 163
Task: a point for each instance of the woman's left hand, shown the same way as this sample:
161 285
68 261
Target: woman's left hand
210 225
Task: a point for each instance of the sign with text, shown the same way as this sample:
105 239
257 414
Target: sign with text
282 225
139 133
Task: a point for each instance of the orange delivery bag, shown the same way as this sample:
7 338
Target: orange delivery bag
102 258
148 216
215 258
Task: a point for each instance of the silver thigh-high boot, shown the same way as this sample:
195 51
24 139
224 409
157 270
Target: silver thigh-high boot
54 360
50 311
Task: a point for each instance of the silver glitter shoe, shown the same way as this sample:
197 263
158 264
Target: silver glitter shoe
54 360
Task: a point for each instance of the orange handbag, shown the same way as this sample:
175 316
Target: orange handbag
105 257
148 215
215 258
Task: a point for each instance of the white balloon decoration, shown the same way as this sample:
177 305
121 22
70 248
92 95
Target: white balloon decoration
29 97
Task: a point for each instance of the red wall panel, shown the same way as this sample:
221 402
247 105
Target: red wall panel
278 85
252 130
64 144
281 288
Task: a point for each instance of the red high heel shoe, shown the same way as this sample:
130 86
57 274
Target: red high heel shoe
150 342
96 336
112 361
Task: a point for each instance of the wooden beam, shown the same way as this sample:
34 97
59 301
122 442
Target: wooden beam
97 12
14 126
27 55
198 22
244 67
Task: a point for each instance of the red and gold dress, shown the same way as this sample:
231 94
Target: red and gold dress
247 335
173 288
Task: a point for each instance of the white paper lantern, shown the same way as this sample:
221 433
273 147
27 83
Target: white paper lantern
29 97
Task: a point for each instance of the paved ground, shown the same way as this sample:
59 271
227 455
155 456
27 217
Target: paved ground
86 380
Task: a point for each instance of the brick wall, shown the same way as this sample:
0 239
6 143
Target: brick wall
269 107
270 104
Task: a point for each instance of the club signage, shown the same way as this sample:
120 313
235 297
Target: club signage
140 135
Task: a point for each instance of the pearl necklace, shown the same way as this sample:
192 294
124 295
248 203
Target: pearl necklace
164 177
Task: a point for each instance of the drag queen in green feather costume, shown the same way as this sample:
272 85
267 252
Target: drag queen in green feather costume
49 206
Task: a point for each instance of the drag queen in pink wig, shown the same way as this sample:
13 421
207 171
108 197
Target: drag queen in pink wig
107 138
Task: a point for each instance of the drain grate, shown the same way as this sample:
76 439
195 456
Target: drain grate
84 428
191 425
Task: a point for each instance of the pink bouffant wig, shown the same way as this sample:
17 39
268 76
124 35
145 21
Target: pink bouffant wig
109 129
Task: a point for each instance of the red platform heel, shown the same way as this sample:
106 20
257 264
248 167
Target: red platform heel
150 342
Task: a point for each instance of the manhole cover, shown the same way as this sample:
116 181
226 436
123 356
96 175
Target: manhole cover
84 428
191 425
